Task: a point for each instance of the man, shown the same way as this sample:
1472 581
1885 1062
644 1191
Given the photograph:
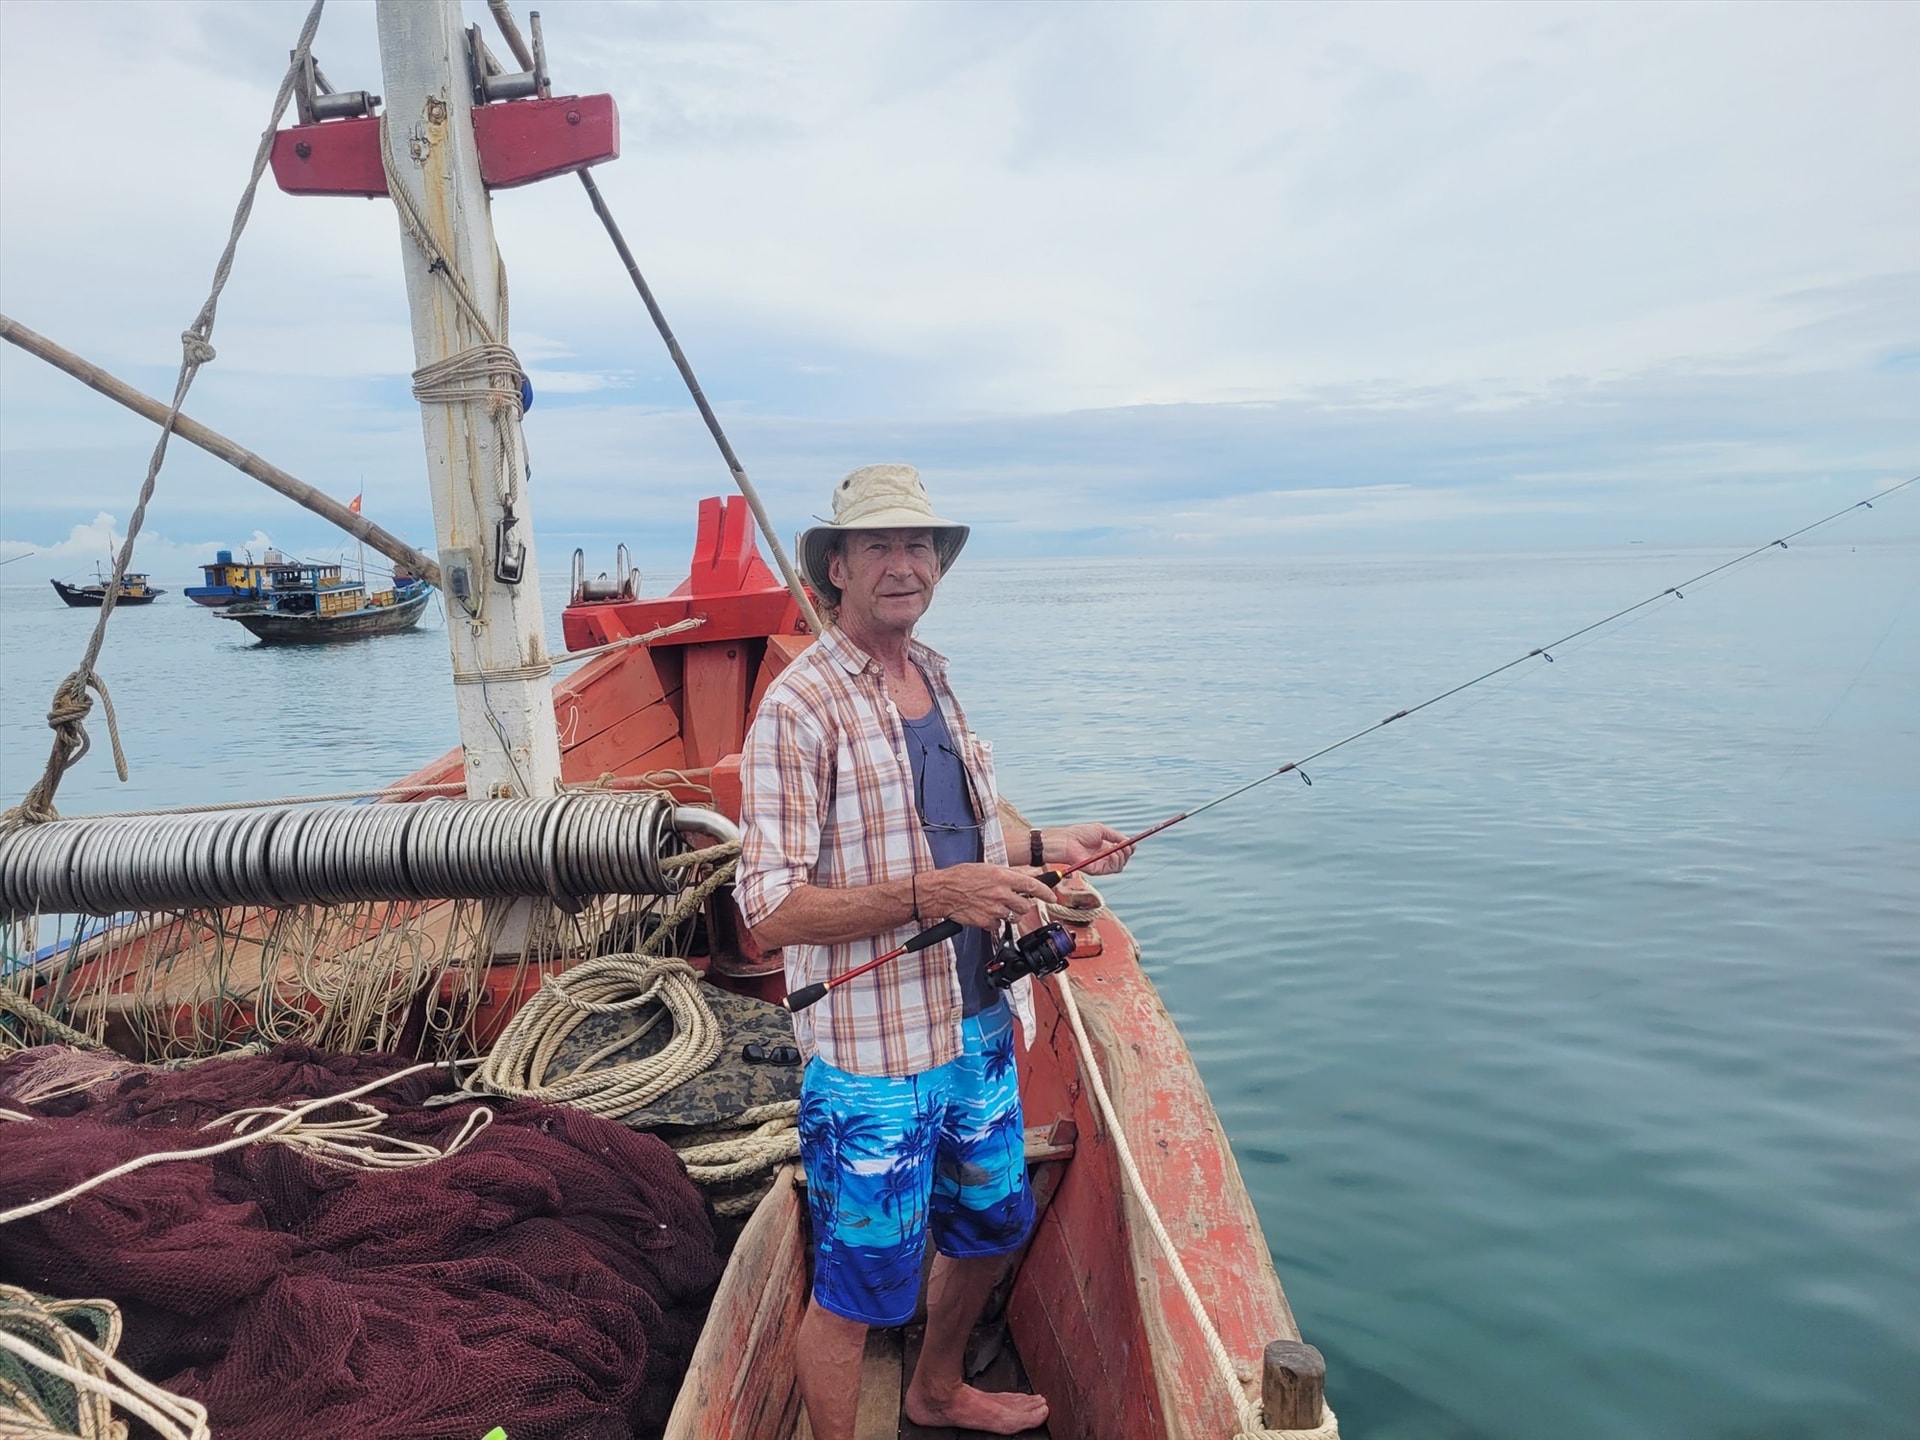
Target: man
869 812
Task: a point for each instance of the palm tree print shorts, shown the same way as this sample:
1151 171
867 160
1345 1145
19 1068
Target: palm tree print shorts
889 1157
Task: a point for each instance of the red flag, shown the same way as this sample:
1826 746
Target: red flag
355 505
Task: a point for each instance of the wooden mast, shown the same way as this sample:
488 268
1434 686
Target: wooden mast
502 677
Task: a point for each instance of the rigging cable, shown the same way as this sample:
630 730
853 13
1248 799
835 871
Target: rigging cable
809 995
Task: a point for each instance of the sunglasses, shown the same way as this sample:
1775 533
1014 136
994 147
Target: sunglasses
756 1053
920 791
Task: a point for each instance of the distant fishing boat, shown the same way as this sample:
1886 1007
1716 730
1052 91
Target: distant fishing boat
230 581
134 590
317 605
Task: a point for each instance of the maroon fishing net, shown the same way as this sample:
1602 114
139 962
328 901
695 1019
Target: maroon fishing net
550 1278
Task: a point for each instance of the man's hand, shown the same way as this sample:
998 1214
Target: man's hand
980 895
1070 844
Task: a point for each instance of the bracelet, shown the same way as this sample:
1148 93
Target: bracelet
1037 847
914 882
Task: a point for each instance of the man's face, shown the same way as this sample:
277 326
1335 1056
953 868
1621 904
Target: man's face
886 578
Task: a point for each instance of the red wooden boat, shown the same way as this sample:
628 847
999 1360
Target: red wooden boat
1145 1304
1096 1317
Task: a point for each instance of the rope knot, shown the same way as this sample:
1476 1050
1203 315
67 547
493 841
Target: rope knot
198 351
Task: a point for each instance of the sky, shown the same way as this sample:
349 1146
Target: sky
1120 279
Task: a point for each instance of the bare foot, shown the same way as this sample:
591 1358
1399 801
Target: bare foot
998 1412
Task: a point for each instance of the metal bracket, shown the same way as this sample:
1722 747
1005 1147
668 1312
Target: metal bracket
491 80
509 554
316 100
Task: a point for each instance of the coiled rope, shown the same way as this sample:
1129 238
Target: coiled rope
68 713
604 985
40 1334
1252 1419
758 1139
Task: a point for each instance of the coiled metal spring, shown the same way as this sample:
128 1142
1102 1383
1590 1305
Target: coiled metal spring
564 847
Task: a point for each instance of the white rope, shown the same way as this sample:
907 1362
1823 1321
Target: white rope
486 374
174 1417
674 629
769 1136
287 1121
358 1143
1252 1421
605 985
1077 914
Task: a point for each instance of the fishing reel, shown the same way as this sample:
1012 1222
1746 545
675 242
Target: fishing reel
1039 952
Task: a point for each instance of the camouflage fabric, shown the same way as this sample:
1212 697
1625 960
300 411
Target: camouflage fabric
725 1088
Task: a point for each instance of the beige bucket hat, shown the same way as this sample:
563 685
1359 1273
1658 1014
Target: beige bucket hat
876 497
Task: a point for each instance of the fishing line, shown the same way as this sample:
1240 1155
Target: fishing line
1899 611
1036 958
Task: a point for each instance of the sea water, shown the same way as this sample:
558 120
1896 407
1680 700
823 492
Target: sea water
1567 1032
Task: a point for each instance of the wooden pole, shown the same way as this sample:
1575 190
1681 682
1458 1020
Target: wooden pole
502 677
216 444
1293 1386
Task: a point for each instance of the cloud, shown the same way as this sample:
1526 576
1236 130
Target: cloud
93 544
1112 273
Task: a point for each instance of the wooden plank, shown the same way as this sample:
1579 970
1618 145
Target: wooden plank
611 748
1195 1184
715 699
605 691
782 651
880 1387
740 1384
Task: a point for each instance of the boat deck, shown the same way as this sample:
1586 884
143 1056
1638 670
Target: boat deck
890 1358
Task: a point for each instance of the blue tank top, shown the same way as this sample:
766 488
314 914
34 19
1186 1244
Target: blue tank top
953 834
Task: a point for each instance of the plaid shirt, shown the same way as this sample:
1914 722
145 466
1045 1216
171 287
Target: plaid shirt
827 799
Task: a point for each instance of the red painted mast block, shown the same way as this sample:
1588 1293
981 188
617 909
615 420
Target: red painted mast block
520 141
337 157
728 583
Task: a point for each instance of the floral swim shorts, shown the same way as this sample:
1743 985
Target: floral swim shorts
890 1158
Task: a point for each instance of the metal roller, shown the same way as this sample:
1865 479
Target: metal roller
565 847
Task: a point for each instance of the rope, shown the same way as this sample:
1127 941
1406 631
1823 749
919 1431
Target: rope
1077 914
489 372
287 1121
758 1139
1252 1421
26 1010
39 1334
712 853
674 629
356 1143
71 706
605 985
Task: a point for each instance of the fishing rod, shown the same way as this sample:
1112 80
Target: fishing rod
1045 951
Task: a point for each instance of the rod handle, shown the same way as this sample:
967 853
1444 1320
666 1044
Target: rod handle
806 995
813 994
933 935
